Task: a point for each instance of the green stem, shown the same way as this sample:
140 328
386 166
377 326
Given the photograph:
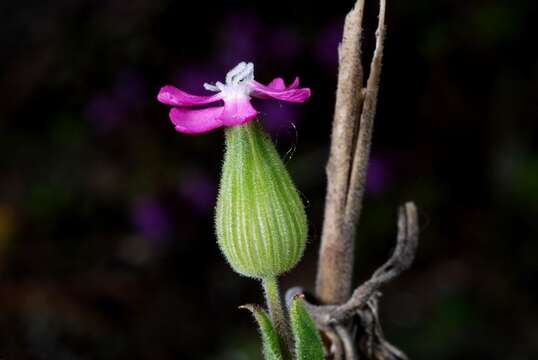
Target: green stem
278 316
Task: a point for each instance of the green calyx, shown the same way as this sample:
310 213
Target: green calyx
260 220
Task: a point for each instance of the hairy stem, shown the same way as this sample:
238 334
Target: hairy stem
277 313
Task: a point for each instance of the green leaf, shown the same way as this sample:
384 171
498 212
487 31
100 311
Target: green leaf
308 344
271 346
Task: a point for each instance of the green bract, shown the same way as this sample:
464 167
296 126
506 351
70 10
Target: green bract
271 346
308 345
260 219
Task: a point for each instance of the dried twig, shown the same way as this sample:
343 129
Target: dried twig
347 341
350 321
364 139
336 350
362 304
372 343
333 320
333 282
401 259
348 161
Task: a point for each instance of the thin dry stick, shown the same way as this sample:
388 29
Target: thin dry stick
348 161
400 260
336 351
349 346
364 140
362 305
334 276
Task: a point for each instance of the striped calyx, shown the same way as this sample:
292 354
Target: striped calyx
260 219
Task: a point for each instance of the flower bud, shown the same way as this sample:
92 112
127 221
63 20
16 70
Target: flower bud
260 219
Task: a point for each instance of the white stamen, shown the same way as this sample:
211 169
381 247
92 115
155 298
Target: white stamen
250 75
236 70
237 81
216 88
247 72
211 87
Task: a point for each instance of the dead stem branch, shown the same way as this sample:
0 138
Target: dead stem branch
363 301
348 161
333 283
350 321
347 341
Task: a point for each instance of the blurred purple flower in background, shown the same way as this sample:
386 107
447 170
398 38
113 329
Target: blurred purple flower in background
200 191
239 37
130 89
104 112
189 77
109 109
151 219
326 47
283 45
379 175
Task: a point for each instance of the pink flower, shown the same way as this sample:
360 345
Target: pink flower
240 86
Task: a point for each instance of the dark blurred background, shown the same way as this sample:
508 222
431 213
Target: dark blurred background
106 238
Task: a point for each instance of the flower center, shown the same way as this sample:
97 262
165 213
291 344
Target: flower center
237 82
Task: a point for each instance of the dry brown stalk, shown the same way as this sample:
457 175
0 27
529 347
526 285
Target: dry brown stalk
348 161
334 275
350 320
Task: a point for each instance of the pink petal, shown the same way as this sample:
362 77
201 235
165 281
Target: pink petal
189 121
290 94
277 84
294 84
171 95
237 112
